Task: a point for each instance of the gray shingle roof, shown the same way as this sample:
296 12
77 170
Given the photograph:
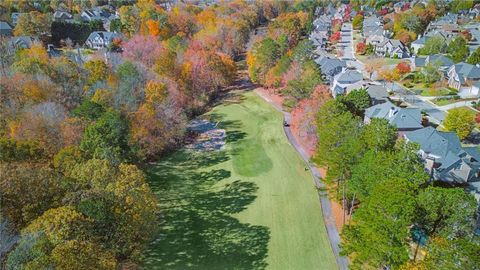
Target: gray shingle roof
420 61
439 59
402 118
349 76
437 143
377 92
467 71
420 41
5 26
328 65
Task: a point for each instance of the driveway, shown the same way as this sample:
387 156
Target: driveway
435 115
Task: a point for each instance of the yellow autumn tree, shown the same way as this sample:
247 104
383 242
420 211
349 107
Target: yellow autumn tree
155 92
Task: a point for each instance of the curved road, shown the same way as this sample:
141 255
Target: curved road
329 220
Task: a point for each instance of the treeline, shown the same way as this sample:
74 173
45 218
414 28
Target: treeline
73 133
76 32
282 59
401 219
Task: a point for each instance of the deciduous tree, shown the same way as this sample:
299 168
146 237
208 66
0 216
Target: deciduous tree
107 138
438 215
378 236
461 121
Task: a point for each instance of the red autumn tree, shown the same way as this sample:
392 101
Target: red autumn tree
466 35
361 48
477 118
335 37
403 68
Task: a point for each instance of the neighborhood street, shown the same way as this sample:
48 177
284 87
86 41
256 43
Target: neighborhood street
434 114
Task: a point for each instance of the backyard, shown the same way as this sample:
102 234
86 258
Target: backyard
252 205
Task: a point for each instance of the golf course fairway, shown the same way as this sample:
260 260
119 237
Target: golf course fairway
252 205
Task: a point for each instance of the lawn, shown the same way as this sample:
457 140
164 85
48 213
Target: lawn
428 90
387 60
445 101
250 206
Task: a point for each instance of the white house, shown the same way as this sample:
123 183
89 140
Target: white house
100 39
392 48
343 81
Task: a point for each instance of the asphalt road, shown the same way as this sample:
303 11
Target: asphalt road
435 115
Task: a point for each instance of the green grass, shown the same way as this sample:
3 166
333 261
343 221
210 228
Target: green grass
387 60
250 206
433 92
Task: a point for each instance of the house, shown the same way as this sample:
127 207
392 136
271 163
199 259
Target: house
319 39
418 62
393 48
97 13
5 29
462 75
373 31
377 93
441 60
470 91
447 19
330 66
405 119
62 16
15 16
375 37
444 156
323 23
344 79
22 42
371 24
418 43
100 39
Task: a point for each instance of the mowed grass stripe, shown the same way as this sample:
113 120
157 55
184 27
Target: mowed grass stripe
251 206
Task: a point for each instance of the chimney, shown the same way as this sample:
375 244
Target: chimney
391 112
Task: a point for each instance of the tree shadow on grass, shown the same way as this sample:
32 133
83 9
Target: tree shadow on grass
196 229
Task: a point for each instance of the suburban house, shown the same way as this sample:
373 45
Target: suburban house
445 20
5 29
15 16
419 43
418 62
322 23
375 37
392 48
443 62
377 93
21 42
62 16
444 156
371 24
89 15
319 38
330 66
100 39
463 75
373 31
343 81
474 30
405 119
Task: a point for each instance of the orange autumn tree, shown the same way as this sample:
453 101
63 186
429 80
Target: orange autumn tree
153 27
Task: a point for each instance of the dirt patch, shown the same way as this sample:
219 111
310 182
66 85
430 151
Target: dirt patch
273 95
